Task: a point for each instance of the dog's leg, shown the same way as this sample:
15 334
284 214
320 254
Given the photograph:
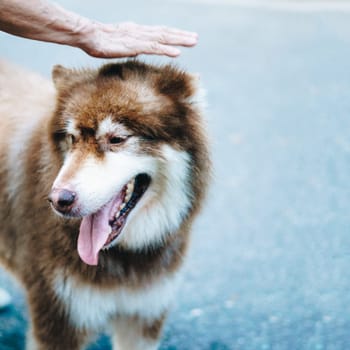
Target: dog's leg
31 343
50 328
133 333
34 343
37 340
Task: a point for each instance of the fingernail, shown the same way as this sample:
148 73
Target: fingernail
173 52
191 41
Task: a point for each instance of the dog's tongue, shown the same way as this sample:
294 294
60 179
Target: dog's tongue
93 234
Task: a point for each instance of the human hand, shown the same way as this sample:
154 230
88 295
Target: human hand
131 39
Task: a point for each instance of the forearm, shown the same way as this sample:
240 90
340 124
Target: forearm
41 20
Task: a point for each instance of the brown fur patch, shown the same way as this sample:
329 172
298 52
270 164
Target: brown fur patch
152 330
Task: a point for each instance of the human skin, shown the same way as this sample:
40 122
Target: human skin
46 21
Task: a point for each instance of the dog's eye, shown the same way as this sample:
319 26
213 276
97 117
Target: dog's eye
114 140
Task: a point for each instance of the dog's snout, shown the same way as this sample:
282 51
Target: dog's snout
62 200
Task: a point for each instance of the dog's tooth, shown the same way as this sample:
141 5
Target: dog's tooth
127 197
128 192
122 206
130 186
118 213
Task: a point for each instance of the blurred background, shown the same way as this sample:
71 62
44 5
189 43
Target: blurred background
269 262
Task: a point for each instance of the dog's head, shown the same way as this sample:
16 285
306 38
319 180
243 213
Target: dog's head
133 154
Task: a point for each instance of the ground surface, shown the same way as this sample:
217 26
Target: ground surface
269 262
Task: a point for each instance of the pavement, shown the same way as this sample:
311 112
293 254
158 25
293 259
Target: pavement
268 267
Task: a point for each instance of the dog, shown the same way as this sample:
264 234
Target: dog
102 172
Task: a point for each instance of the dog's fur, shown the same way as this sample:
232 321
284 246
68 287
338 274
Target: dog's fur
58 136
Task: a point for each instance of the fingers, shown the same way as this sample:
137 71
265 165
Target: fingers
160 49
177 40
130 39
130 26
159 34
168 31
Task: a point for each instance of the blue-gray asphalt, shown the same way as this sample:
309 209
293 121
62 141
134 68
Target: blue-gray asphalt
269 262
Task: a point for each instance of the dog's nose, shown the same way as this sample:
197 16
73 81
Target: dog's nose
62 200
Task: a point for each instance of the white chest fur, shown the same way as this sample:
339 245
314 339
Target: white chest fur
91 307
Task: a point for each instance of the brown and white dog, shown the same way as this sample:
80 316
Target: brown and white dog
121 155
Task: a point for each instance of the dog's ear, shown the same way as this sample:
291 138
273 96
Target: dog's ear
60 75
178 84
65 78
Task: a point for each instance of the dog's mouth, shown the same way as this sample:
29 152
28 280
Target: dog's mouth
99 230
131 194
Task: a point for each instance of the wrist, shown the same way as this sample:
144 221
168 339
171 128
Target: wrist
85 35
77 32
